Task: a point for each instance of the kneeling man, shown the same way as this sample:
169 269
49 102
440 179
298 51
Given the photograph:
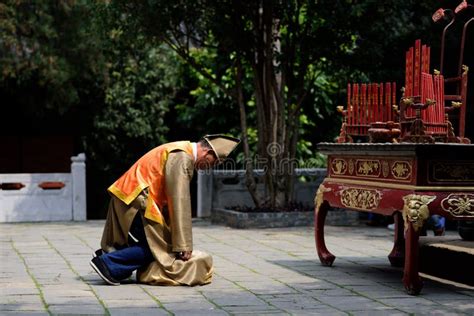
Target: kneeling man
148 226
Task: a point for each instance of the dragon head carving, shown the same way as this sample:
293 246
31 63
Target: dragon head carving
415 209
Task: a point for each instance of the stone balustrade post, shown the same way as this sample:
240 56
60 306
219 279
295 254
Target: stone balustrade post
78 175
204 193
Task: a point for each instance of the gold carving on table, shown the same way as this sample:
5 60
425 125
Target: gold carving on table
362 199
319 198
338 166
385 168
401 170
465 69
455 104
370 168
351 166
452 171
459 204
415 210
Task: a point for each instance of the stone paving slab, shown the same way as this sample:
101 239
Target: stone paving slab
44 270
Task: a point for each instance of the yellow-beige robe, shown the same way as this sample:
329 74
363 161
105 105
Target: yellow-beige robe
168 236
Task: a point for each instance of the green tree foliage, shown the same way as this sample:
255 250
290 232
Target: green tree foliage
141 81
140 84
137 96
139 89
49 49
206 107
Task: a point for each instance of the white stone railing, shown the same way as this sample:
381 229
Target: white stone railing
224 188
35 197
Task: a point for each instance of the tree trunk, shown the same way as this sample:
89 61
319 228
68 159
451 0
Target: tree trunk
249 176
269 95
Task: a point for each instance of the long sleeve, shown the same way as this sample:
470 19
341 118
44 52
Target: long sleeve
178 173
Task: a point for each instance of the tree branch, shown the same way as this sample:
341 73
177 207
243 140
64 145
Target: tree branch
199 68
249 176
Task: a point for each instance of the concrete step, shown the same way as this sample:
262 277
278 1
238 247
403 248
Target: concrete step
448 257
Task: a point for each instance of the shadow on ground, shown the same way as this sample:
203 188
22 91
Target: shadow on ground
354 272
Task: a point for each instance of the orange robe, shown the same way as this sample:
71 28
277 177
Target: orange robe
148 172
156 183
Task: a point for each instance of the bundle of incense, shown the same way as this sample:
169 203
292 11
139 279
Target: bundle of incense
383 110
417 62
394 98
388 99
439 98
424 114
417 69
350 114
355 91
409 77
409 73
427 114
368 103
363 107
375 103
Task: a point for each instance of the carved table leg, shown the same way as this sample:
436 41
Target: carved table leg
397 255
415 213
411 280
320 212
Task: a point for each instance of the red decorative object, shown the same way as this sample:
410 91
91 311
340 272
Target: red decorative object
11 186
463 5
367 104
421 113
438 15
423 175
407 181
52 185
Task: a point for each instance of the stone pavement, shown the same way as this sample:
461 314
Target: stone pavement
44 269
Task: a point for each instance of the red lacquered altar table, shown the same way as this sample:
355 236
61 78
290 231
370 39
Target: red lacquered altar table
410 181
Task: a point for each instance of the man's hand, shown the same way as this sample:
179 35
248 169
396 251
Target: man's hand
184 255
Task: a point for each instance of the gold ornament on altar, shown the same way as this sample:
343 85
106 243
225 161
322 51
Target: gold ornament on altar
339 166
385 168
459 204
351 166
368 168
415 210
362 199
401 170
319 198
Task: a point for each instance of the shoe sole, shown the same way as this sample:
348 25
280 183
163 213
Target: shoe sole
101 275
94 254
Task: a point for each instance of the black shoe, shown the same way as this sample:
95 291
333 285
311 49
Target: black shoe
101 269
98 253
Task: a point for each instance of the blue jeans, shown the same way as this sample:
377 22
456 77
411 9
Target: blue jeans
437 222
121 263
